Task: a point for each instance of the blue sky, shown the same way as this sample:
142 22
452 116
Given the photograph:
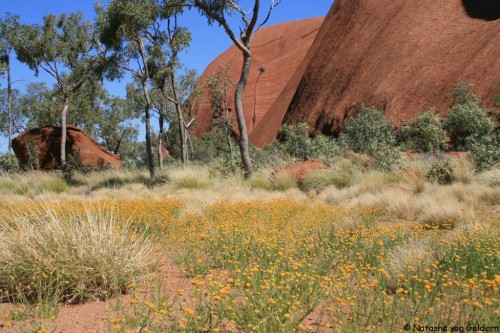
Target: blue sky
207 43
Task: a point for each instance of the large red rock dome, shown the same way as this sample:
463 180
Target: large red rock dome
403 56
280 49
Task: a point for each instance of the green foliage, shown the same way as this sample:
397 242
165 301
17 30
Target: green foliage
466 118
227 166
441 171
367 127
270 156
485 151
296 143
462 95
385 157
8 163
424 133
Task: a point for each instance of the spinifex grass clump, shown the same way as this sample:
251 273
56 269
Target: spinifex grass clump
49 253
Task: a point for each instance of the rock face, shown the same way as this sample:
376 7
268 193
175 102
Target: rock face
280 50
403 56
46 143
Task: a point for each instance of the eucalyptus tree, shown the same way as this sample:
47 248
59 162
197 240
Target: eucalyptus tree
166 45
220 12
13 122
127 27
64 48
9 27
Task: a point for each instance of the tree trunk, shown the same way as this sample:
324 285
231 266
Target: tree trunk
9 102
149 148
240 116
63 130
182 124
160 141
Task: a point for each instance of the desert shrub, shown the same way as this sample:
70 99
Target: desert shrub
72 256
367 127
295 141
267 157
325 149
425 133
227 166
8 163
466 119
485 150
385 157
441 171
461 94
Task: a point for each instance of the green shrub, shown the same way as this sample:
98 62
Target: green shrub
367 127
295 141
385 157
441 171
270 156
227 166
8 163
325 149
425 133
296 144
466 118
485 150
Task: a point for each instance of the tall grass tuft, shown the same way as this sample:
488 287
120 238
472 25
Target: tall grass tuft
69 256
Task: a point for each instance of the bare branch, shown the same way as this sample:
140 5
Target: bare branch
271 7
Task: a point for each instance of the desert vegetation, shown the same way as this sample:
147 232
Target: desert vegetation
350 247
372 229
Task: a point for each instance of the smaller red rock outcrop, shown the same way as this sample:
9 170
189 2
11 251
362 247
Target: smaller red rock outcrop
299 170
46 143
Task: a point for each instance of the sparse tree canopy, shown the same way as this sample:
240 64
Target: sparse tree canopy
63 47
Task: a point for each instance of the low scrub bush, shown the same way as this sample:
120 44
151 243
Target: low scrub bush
466 119
367 127
485 151
424 133
71 256
385 157
296 143
8 163
441 171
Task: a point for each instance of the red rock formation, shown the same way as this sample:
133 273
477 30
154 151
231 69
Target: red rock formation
404 56
299 170
280 49
46 141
